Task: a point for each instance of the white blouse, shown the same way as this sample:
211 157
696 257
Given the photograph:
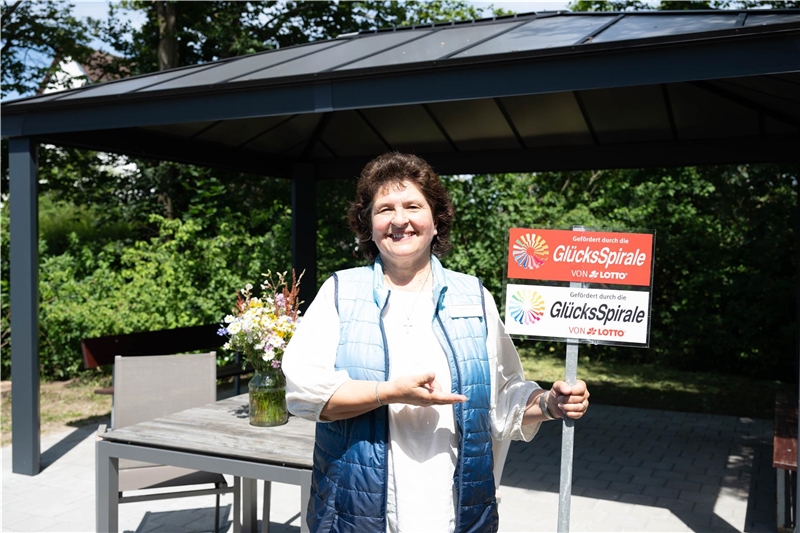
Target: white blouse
423 441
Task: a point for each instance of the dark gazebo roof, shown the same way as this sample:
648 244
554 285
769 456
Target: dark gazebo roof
555 90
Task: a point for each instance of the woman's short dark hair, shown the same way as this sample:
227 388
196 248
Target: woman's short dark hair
394 168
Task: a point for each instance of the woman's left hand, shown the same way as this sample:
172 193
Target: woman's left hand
572 401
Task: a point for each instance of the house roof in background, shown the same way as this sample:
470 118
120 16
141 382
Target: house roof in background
97 71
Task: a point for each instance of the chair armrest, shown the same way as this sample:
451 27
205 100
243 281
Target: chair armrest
101 430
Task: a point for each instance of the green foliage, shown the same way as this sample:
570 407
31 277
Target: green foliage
5 289
36 36
337 248
724 282
178 278
725 262
60 222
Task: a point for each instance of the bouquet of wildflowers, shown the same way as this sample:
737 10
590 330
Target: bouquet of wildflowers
261 327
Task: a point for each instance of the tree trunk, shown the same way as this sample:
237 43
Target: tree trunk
167 59
167 40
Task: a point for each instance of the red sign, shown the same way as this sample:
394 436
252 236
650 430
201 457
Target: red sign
580 256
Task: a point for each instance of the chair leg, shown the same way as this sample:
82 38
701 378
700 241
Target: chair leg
216 511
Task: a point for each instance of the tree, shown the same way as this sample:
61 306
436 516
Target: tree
188 33
208 31
36 38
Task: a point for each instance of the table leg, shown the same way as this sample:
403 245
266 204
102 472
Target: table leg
266 506
781 498
305 496
237 504
106 490
249 505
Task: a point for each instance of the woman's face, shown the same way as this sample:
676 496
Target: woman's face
402 225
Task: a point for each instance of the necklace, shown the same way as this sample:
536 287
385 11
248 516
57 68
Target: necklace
407 325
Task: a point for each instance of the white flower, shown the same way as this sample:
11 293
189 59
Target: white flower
229 319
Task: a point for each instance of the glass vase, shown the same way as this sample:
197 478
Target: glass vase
268 398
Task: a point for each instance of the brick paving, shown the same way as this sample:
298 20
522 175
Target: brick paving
634 470
646 470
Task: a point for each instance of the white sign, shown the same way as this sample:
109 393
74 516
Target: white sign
590 314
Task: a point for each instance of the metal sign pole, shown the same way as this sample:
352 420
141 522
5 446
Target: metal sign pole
567 442
568 431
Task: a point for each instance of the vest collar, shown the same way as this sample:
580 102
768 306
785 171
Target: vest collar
379 290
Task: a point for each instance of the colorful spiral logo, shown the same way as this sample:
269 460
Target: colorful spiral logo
526 306
530 251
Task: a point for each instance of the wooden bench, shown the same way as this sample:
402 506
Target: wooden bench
784 458
100 351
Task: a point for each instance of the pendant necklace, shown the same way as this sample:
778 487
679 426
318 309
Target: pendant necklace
407 325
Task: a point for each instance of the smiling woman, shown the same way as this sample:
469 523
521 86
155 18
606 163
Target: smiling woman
403 227
407 370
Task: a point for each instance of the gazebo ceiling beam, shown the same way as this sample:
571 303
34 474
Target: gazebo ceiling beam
387 146
670 113
746 102
667 154
316 136
151 145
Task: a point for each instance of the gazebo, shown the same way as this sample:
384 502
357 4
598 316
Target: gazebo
523 93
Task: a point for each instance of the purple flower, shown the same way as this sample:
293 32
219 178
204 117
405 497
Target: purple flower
222 331
280 301
275 363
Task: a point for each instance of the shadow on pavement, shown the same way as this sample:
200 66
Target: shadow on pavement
201 521
62 447
700 467
185 521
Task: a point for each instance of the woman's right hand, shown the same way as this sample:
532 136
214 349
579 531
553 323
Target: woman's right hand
420 389
355 397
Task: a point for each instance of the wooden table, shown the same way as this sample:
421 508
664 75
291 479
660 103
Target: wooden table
218 438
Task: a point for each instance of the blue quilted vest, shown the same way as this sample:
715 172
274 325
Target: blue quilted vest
349 481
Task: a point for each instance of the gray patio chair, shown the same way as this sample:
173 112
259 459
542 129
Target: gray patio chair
149 387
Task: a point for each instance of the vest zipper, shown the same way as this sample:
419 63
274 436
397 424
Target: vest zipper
386 440
460 417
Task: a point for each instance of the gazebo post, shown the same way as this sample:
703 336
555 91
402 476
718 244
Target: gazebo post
24 232
304 229
797 319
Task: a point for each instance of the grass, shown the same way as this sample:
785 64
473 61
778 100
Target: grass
649 386
63 405
71 404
